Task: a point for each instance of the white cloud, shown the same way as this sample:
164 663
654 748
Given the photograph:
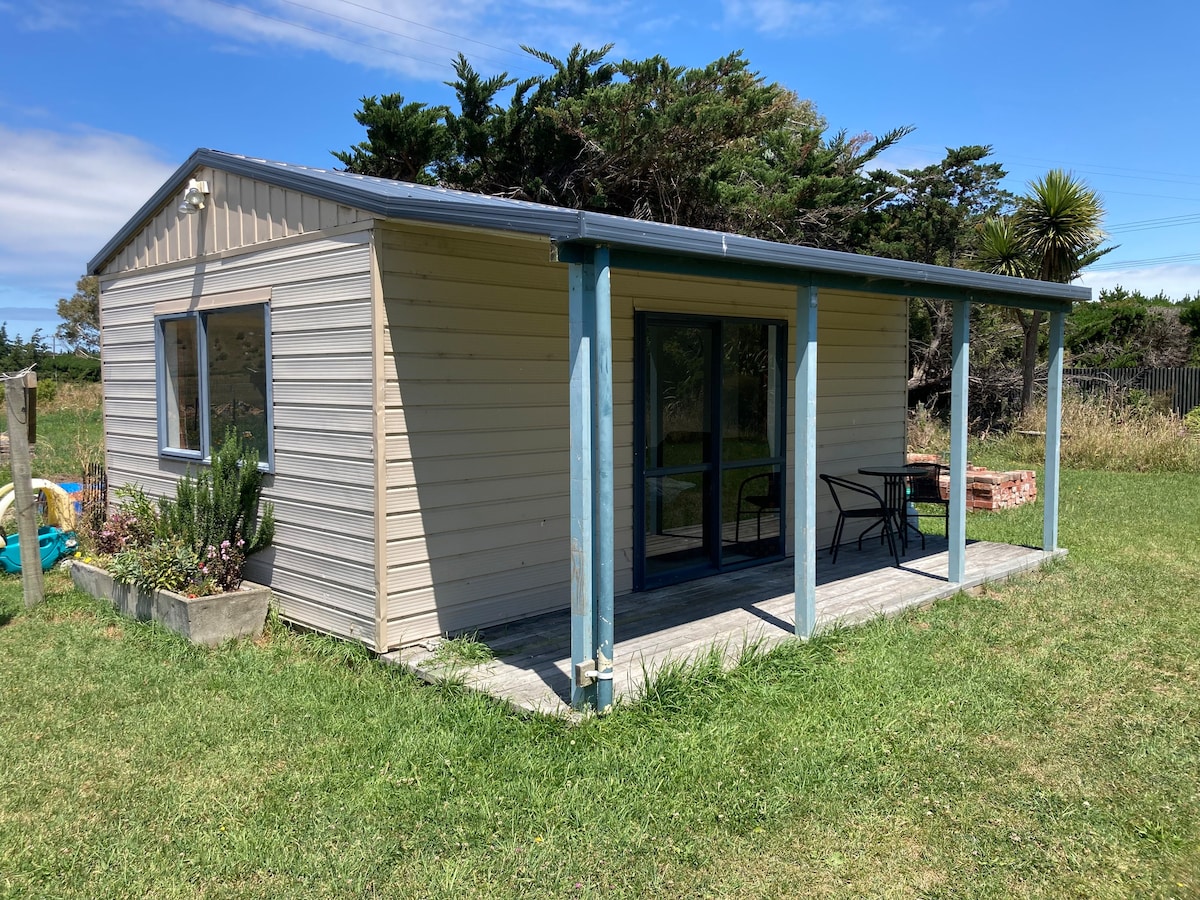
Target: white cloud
63 194
777 16
49 15
413 37
1176 281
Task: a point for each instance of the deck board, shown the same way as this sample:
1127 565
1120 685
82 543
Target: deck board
730 611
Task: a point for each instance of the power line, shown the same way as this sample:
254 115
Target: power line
1139 263
1078 167
1152 224
1108 191
1093 169
1116 170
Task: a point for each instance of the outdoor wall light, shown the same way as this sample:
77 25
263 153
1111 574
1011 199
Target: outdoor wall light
195 197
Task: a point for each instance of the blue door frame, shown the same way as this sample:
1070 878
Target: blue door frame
712 466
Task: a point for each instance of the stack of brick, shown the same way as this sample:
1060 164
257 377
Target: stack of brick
987 489
999 490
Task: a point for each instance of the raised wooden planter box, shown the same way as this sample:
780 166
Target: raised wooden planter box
202 620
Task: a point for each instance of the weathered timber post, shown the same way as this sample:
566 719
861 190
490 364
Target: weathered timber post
19 412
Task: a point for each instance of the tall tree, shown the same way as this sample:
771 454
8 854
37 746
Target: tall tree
80 314
930 216
711 147
1053 235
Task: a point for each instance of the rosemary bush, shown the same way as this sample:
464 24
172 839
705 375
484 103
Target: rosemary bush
198 541
221 504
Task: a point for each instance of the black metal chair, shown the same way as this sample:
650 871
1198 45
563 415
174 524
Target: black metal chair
927 489
769 498
879 514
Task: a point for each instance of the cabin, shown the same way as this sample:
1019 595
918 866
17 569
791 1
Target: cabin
474 410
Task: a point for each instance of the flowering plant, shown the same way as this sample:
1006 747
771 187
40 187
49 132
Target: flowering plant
195 543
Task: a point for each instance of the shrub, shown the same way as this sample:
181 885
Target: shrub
163 564
134 523
196 542
1192 421
220 506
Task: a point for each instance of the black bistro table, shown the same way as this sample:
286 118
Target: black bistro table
895 492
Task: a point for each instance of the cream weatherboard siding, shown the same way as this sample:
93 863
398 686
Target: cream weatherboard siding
862 367
477 435
322 567
240 212
477 431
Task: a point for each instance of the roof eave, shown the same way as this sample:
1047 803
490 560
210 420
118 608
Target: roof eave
767 259
918 279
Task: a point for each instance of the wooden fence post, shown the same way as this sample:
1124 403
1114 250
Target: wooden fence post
22 475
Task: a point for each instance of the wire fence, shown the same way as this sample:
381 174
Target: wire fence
1182 384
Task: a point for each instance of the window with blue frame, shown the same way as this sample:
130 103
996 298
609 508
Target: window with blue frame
214 375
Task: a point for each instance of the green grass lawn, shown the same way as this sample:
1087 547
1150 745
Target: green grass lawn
70 433
1039 739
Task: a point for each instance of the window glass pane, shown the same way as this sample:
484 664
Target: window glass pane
751 527
675 533
236 345
678 410
181 377
748 384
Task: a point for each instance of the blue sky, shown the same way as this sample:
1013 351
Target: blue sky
100 102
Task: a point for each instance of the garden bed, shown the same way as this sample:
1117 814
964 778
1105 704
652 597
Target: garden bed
210 620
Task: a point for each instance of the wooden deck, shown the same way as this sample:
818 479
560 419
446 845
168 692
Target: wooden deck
728 611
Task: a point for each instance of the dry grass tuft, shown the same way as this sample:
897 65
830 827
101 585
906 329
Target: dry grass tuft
1098 433
71 396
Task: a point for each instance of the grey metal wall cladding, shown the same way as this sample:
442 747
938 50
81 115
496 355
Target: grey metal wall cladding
1181 384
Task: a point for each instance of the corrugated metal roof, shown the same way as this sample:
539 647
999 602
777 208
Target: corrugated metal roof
401 200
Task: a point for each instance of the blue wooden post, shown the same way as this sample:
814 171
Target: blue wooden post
1054 389
602 508
804 467
582 315
958 442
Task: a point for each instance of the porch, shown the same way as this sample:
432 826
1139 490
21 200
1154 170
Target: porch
531 667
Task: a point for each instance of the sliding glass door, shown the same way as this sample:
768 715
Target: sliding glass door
709 445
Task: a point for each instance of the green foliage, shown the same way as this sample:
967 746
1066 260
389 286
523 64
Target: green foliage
164 564
465 649
196 542
933 215
1053 235
403 139
1127 329
17 354
69 367
80 312
713 147
219 507
1191 421
1059 223
934 212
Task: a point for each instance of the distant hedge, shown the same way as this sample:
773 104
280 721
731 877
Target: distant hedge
68 367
